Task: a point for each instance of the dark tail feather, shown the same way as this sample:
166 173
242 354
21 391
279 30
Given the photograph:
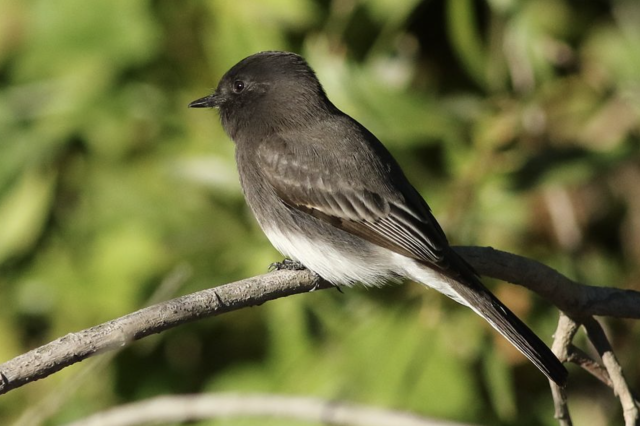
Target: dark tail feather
512 328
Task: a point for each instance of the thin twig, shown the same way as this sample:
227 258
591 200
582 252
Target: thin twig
579 357
620 387
562 338
560 403
189 408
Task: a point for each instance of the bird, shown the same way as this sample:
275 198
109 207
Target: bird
329 195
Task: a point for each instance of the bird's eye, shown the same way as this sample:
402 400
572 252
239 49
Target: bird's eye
238 86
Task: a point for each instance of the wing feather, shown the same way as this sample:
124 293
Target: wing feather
399 222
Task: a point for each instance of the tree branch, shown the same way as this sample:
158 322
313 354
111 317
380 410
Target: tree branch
620 386
562 338
75 347
578 357
190 408
573 298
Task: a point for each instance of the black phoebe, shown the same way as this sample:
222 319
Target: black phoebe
328 194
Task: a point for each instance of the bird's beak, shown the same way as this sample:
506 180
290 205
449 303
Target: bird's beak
211 101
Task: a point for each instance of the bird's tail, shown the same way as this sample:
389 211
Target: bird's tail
483 302
465 287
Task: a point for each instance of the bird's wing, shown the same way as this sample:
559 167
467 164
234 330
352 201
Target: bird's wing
369 205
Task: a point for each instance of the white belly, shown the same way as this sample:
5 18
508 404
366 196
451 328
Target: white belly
340 266
374 266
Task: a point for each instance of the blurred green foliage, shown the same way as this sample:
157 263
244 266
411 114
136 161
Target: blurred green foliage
518 120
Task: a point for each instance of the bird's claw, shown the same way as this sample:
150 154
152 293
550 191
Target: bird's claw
294 265
287 265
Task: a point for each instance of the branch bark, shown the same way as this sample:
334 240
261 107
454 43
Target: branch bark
190 408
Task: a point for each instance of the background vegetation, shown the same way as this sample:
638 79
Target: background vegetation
518 120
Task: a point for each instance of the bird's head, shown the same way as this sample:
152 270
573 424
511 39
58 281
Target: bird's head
266 91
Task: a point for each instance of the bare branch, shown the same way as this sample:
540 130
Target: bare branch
560 403
575 299
562 338
75 347
620 386
579 357
53 399
189 408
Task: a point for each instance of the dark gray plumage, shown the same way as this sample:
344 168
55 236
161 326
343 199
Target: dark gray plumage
327 193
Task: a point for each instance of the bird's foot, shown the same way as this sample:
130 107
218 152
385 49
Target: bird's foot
287 265
294 265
